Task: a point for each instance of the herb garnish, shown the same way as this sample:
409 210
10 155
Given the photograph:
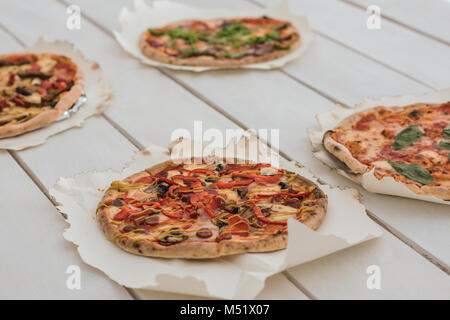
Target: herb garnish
412 171
444 145
407 137
446 132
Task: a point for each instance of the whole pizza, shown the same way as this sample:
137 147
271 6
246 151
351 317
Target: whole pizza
207 210
220 42
35 89
410 144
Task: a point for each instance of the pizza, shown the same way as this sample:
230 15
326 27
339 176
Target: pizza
204 210
410 144
35 89
220 42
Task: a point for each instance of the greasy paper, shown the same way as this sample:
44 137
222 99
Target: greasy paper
97 90
239 276
387 185
161 13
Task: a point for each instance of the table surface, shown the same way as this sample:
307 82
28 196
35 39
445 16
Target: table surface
347 62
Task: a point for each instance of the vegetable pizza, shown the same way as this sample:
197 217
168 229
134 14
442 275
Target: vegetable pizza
208 210
220 42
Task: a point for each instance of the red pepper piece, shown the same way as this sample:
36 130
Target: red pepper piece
146 180
11 80
185 178
172 215
260 216
2 103
237 226
124 213
209 212
259 178
141 204
18 102
41 91
62 85
225 185
202 171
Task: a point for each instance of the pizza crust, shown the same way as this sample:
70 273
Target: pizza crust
66 101
312 218
208 61
342 153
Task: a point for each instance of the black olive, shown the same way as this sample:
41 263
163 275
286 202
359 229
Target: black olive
283 185
211 180
23 91
242 192
219 167
118 203
33 74
162 187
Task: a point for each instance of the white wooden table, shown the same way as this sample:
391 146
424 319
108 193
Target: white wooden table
347 61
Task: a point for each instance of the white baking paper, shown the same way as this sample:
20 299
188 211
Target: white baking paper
234 277
387 185
97 89
161 13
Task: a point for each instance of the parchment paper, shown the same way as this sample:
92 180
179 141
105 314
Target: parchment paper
161 13
387 185
234 277
97 89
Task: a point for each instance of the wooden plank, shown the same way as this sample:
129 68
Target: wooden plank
171 106
35 257
419 15
399 48
409 278
251 97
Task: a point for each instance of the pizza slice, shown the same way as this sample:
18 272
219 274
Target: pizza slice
220 42
207 210
35 90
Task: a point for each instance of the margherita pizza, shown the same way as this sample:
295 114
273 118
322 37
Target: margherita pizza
35 89
207 210
410 144
220 42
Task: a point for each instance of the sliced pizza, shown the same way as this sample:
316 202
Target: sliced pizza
410 144
220 42
207 210
35 89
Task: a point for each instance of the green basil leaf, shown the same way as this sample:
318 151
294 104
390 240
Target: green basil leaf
155 33
444 145
278 47
446 132
232 55
407 137
412 171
